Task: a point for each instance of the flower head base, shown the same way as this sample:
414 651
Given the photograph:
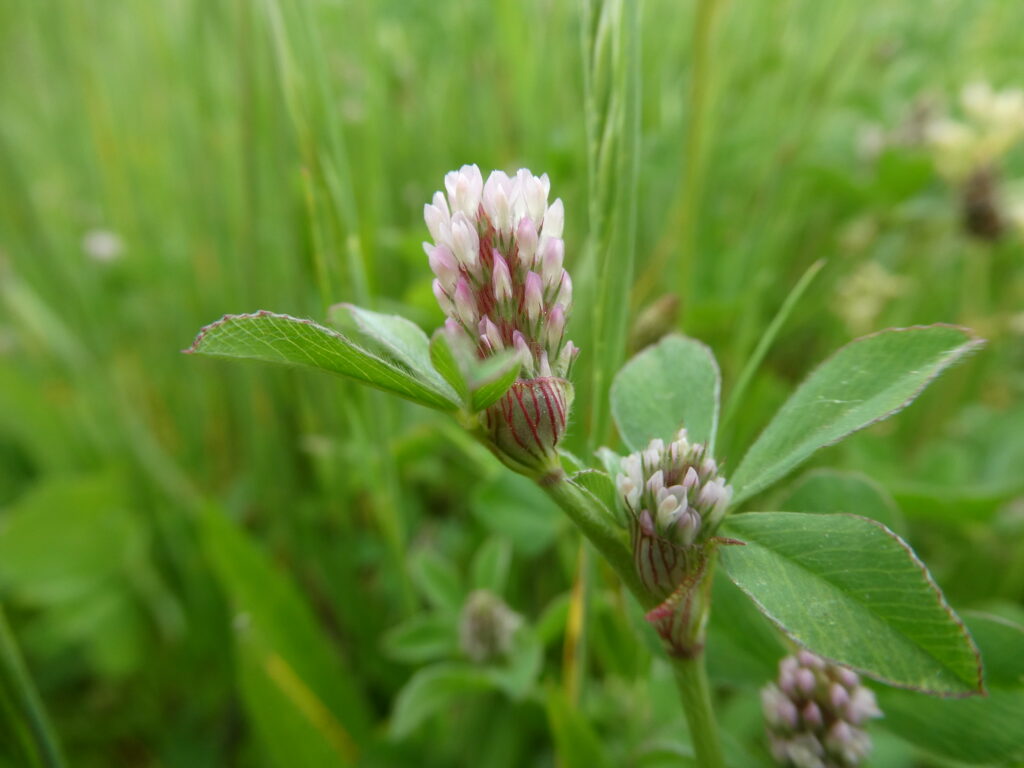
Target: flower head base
497 257
815 714
676 500
487 627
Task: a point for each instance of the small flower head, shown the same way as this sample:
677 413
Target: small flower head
487 627
815 714
676 499
674 490
497 255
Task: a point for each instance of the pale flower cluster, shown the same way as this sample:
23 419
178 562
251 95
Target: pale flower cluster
815 714
674 491
497 255
992 123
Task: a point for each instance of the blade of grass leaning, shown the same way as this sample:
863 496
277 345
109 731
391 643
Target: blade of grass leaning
612 84
768 338
39 741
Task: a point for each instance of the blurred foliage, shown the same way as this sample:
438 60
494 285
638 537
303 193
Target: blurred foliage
207 564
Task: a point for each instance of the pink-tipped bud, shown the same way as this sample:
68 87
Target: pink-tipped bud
443 264
497 201
564 296
526 239
812 715
502 279
464 188
443 299
438 219
551 268
534 194
491 332
825 734
465 242
555 326
554 220
465 304
533 297
525 355
528 422
566 358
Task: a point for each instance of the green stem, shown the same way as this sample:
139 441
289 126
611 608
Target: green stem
692 682
590 517
16 683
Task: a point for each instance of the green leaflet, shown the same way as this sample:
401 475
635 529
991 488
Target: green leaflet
864 382
289 340
852 591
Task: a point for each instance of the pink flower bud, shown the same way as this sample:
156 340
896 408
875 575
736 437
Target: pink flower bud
502 279
465 304
443 300
438 219
564 296
443 264
812 715
554 220
551 268
491 332
526 238
555 326
465 242
533 297
464 188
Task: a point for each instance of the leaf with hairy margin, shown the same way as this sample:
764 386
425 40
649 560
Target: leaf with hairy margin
851 590
866 381
288 340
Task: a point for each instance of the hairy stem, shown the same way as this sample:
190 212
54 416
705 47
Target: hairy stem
692 682
591 518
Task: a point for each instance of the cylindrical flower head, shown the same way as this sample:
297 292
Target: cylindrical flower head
815 714
487 627
497 253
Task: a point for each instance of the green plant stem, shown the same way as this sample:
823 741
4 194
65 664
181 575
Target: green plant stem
692 682
16 684
590 517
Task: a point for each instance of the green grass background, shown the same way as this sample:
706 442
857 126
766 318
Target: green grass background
276 155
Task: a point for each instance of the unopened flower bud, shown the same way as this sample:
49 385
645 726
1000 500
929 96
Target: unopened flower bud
465 242
526 237
465 303
438 219
675 504
807 714
554 220
502 279
487 627
464 188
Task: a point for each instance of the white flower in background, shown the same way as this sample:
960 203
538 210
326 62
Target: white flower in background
102 245
992 124
815 714
487 627
863 294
